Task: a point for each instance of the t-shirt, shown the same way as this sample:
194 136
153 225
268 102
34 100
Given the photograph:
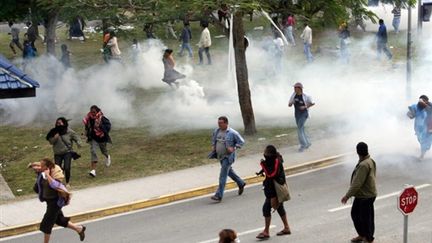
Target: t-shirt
15 33
396 12
221 149
298 101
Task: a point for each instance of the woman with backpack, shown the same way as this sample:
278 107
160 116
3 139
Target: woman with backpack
274 173
97 128
61 137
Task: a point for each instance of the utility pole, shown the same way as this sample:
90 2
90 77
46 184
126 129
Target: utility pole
408 71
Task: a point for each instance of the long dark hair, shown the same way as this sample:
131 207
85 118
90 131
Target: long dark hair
95 107
64 120
271 151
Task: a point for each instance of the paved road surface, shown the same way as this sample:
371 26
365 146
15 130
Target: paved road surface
314 194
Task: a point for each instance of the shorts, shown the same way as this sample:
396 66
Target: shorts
93 147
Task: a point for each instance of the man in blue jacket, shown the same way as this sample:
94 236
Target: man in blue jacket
186 37
382 41
225 141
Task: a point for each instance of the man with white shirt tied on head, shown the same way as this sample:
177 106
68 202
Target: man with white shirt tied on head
302 103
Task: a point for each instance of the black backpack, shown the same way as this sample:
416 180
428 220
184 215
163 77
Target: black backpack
106 125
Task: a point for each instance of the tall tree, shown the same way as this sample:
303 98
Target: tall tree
242 74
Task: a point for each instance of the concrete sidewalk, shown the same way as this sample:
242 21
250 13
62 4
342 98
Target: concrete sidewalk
90 199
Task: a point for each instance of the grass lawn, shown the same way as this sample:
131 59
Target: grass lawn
135 153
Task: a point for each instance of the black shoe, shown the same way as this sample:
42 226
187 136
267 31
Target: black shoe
241 189
216 198
82 233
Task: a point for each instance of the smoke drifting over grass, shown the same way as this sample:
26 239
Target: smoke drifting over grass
366 97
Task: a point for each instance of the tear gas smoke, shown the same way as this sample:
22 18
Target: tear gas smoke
366 98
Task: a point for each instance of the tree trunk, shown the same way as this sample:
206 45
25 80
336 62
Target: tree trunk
242 75
50 31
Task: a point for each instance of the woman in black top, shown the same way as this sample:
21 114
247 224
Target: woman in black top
274 173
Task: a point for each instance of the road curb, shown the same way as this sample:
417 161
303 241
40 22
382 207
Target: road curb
164 199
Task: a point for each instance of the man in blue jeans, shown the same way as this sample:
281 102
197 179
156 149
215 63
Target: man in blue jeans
186 37
302 103
225 141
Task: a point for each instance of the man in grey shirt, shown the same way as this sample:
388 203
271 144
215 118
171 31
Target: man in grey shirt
225 141
15 38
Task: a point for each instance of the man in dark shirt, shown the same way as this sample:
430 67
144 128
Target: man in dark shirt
31 34
382 40
186 37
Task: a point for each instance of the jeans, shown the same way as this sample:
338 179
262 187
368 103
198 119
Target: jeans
363 216
64 161
289 35
302 137
344 52
396 23
187 47
207 51
226 170
307 52
383 47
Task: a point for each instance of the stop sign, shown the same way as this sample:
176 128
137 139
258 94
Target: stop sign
407 200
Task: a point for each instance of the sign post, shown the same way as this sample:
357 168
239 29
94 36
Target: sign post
407 201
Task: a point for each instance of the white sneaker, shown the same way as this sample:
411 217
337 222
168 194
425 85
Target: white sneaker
108 161
92 173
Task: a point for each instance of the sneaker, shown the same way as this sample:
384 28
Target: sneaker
108 161
92 173
216 198
301 149
82 233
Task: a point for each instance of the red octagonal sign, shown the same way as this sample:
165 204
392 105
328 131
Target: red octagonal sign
407 200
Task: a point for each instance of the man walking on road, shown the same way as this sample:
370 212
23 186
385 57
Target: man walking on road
225 141
363 189
382 41
302 103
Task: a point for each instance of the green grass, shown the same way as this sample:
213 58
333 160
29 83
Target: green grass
135 153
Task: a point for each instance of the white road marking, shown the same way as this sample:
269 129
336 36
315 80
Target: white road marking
239 234
378 198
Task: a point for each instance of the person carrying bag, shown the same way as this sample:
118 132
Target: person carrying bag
275 190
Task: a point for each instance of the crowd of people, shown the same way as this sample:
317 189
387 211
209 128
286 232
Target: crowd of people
225 140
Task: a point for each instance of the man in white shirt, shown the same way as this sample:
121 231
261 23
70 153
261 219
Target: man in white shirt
307 41
204 44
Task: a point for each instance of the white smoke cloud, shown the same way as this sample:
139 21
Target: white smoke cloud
366 98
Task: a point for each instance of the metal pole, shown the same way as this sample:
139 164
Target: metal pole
420 17
408 71
405 236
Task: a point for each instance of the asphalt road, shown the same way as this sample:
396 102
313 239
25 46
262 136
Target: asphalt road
314 213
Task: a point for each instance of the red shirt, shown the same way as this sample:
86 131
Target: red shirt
290 21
